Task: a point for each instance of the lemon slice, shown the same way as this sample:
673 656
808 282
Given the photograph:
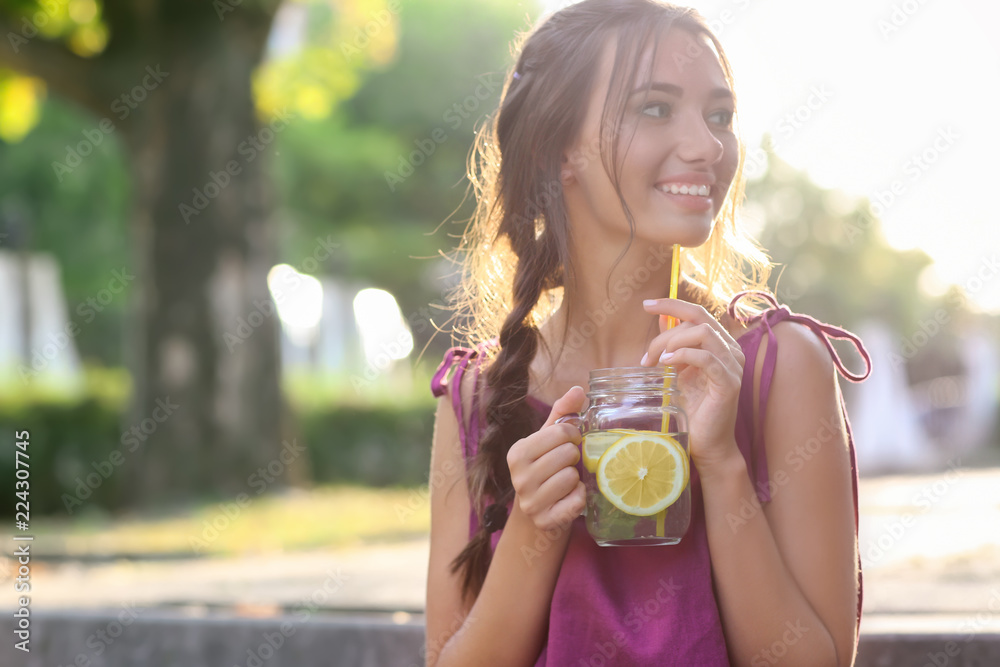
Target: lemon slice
595 444
643 473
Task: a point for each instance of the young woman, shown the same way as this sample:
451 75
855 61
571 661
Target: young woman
615 139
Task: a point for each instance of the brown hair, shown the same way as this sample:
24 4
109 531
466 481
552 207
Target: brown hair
515 249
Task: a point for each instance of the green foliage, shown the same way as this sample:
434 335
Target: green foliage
376 446
66 441
81 219
332 173
834 263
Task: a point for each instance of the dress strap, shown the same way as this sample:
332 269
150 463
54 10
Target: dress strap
822 329
458 358
770 317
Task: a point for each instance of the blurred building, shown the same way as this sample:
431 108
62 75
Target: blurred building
937 404
37 336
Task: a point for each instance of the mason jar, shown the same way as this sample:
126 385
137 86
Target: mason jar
634 457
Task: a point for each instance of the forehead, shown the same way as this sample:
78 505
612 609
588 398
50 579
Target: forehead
682 58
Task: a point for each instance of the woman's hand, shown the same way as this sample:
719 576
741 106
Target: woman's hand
547 485
709 365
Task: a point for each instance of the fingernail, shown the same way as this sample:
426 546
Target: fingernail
649 302
645 358
665 357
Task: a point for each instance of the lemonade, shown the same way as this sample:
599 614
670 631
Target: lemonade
634 480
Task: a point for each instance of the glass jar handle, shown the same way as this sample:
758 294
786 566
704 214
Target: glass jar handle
572 418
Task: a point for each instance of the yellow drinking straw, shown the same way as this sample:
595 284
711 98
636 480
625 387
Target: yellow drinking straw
675 266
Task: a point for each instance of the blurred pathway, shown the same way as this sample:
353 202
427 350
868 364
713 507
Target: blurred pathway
929 544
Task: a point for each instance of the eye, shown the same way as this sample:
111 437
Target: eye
723 117
656 110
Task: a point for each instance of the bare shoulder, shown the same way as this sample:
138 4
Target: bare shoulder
803 353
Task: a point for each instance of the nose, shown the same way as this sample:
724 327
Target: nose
697 144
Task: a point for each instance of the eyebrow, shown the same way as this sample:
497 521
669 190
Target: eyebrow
673 89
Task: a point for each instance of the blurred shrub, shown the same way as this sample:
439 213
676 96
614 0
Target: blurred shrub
76 454
66 440
378 446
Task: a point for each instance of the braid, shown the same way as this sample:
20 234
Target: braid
508 415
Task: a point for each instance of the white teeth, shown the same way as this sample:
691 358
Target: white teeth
674 188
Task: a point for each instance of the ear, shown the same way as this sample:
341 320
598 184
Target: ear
567 174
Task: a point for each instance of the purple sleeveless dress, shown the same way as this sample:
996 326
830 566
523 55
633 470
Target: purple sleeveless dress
651 606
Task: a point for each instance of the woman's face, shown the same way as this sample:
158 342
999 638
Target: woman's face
682 157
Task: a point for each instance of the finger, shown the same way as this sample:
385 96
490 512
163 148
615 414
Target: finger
708 363
569 508
567 404
565 455
527 476
684 311
554 489
547 439
702 336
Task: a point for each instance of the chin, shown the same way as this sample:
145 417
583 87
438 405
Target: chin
687 236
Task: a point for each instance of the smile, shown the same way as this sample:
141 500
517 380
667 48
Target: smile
685 189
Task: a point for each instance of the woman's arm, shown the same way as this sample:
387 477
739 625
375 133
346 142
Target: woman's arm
507 623
786 577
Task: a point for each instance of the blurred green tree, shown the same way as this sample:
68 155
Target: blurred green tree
95 199
179 83
399 170
833 260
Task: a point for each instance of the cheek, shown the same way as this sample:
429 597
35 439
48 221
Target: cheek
730 159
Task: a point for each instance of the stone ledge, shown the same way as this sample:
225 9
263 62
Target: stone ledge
175 638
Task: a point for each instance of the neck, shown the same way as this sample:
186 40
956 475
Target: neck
601 322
